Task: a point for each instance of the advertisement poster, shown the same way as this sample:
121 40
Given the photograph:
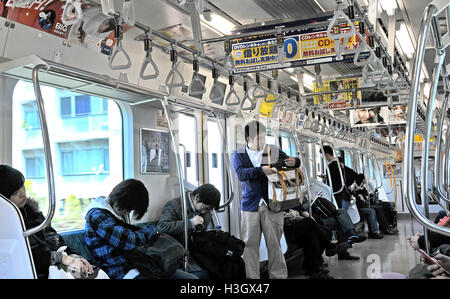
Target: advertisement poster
366 117
266 108
154 151
395 114
257 53
341 99
94 31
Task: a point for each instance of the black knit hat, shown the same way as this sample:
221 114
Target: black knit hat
11 180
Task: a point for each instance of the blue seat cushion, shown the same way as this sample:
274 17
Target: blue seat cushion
75 240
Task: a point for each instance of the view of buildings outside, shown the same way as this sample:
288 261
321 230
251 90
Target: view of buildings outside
86 147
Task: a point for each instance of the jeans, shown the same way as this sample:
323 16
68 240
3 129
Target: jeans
371 217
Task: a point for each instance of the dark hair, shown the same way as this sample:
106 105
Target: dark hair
208 194
360 178
11 180
253 128
341 159
130 195
328 150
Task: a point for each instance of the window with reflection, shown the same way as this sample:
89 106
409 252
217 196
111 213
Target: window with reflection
188 147
86 145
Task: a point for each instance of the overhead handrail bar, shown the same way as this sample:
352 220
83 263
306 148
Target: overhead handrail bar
409 187
119 49
72 7
148 48
199 6
174 71
47 153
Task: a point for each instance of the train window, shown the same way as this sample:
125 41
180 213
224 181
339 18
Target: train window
348 159
271 140
215 158
86 144
188 141
288 146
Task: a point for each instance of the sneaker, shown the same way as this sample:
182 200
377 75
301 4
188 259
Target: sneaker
377 235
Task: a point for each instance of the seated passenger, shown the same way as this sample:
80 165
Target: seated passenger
305 233
343 198
44 244
109 234
362 200
199 205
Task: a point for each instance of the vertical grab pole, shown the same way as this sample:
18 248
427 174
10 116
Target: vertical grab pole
165 104
47 153
227 162
408 169
305 169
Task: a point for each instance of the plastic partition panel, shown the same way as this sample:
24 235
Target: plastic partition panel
15 256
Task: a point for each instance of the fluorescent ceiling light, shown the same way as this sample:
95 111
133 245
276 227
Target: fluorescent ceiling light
389 6
307 80
219 24
404 41
320 6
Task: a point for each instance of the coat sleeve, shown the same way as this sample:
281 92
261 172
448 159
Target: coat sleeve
245 173
171 222
282 156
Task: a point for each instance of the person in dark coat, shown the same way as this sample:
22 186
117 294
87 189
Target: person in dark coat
44 244
200 203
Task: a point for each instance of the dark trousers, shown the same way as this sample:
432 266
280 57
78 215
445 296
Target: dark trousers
307 234
381 217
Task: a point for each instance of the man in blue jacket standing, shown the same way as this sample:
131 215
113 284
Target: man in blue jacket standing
251 167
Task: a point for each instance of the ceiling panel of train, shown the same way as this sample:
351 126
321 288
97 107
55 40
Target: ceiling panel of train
171 18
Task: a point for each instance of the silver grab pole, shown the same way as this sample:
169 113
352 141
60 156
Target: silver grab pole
305 169
47 153
227 163
409 188
330 181
438 162
164 104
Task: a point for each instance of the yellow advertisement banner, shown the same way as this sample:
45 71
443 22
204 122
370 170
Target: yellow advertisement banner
266 108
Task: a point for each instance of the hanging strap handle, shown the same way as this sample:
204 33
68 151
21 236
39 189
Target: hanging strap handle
196 79
248 99
174 71
148 48
232 93
119 49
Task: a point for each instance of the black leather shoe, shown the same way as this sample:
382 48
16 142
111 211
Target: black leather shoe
376 236
331 251
390 231
348 257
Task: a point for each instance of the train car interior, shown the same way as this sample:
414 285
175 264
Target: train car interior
312 135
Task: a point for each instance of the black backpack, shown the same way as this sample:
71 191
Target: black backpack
324 208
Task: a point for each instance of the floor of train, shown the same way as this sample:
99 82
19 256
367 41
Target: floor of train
390 254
